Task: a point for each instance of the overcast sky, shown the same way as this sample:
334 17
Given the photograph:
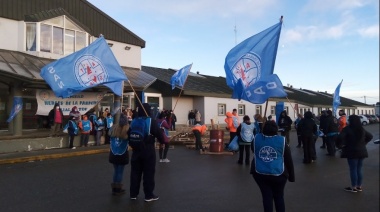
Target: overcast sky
321 43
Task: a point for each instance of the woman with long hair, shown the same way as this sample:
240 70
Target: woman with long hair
353 140
119 156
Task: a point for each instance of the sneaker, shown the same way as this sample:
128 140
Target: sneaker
358 189
73 147
349 189
153 198
161 160
166 160
133 198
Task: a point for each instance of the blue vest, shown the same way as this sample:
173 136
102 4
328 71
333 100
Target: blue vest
86 125
246 132
118 146
109 122
269 154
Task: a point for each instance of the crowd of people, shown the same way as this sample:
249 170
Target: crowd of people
271 165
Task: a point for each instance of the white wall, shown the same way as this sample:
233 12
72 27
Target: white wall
128 58
9 34
181 110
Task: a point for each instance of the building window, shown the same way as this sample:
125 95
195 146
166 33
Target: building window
272 110
258 109
46 38
30 37
221 109
69 41
58 35
287 109
241 110
57 40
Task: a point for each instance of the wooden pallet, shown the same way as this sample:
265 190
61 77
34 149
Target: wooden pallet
207 152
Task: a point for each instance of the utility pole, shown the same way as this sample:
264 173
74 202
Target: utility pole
235 30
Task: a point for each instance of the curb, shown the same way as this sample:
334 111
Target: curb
51 156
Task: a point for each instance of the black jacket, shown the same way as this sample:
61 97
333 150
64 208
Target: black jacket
353 145
331 125
307 127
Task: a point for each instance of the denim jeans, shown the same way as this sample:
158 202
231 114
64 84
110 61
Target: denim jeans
118 173
356 173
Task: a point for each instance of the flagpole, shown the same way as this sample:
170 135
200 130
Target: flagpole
146 113
290 103
182 88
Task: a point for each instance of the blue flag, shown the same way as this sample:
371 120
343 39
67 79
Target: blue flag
253 58
180 76
280 106
259 92
17 106
89 67
336 98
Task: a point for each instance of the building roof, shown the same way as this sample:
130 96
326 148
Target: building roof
195 85
26 68
93 20
211 86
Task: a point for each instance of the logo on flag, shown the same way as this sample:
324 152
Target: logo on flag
90 71
248 69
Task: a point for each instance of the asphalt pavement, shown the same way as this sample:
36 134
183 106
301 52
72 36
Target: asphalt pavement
195 182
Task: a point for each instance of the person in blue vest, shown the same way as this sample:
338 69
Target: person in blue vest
245 133
272 166
85 126
99 127
143 159
108 121
118 155
72 130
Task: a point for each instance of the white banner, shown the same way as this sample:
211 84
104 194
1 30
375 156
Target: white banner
84 102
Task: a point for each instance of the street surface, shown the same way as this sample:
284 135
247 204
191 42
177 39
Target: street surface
190 182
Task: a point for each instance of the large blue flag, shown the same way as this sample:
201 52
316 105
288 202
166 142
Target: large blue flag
259 92
91 66
17 106
180 76
253 58
336 98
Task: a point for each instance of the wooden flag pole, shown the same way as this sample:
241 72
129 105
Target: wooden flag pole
146 113
290 103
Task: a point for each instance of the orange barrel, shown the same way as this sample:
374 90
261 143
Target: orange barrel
216 140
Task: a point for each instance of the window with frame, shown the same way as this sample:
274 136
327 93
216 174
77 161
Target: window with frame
272 110
57 35
258 109
241 110
221 109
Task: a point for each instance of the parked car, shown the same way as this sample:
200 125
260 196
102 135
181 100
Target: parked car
375 118
364 119
370 118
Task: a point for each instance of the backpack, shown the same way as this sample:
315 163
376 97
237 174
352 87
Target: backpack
139 131
75 127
